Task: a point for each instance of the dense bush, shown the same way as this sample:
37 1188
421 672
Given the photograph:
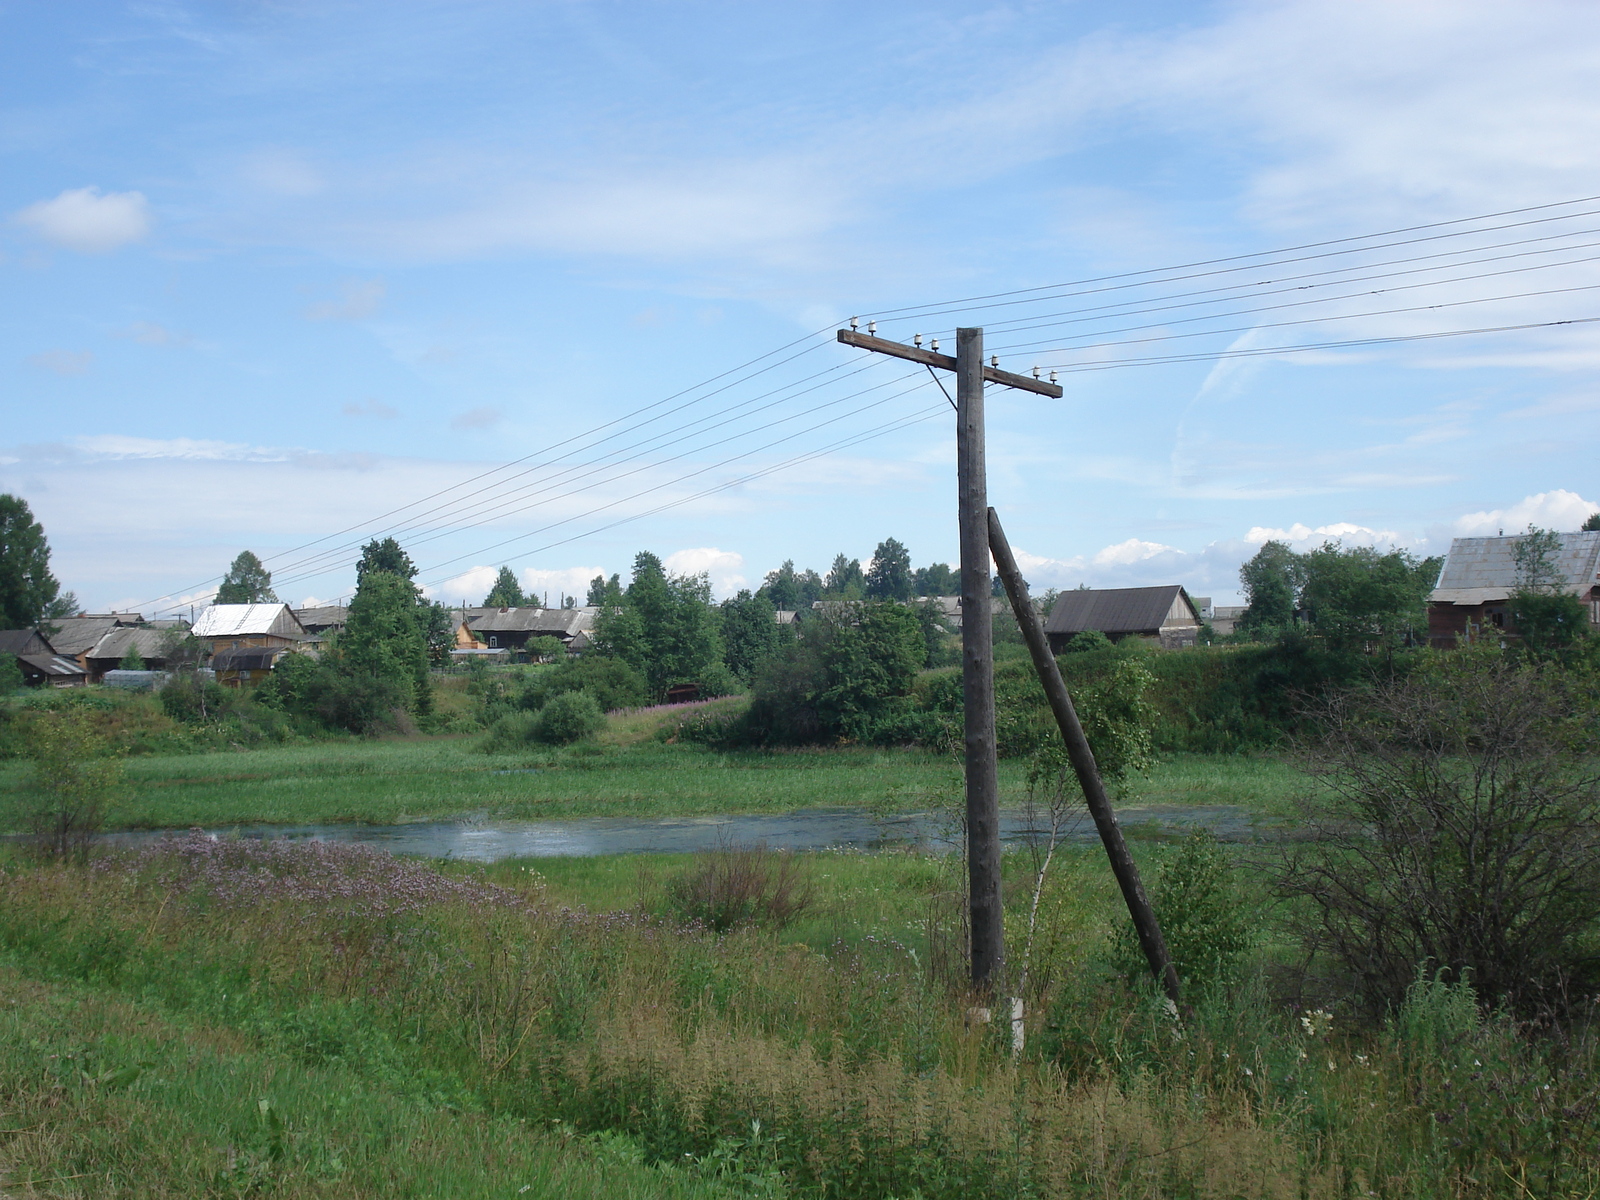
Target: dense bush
1458 827
335 693
847 678
610 682
568 717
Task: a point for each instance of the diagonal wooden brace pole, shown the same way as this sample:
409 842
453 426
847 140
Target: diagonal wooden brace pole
1082 757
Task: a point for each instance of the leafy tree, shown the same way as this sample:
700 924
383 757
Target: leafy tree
1271 581
546 649
1551 622
506 592
791 590
131 661
889 576
936 579
1591 523
846 678
665 627
387 556
1358 599
10 674
64 605
27 588
438 629
750 632
845 580
612 683
247 582
382 646
604 593
941 650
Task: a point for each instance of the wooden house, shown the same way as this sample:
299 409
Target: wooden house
246 640
1164 615
1479 575
38 661
513 628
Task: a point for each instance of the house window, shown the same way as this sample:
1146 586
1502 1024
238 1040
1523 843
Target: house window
494 642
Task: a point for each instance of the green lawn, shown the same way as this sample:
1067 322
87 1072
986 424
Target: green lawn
397 780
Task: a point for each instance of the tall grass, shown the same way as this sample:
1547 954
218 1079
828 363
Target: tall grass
848 1072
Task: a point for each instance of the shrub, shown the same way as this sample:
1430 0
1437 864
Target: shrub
569 717
1458 827
192 699
610 681
10 674
736 886
74 775
1087 641
1202 918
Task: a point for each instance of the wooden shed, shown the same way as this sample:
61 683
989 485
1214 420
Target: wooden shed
1163 614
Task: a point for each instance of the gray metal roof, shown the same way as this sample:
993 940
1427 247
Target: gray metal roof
151 643
1116 610
322 617
1480 570
557 622
74 635
52 664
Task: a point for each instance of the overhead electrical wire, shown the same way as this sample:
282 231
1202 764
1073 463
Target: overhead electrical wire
595 458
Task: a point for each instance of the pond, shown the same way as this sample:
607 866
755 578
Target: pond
479 839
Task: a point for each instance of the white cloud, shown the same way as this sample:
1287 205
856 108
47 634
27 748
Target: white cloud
82 219
1558 509
472 585
62 362
1303 537
1129 552
723 566
121 446
358 300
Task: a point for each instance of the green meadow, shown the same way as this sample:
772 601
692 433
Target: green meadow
389 781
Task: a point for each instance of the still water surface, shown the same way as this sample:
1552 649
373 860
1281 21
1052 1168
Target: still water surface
488 840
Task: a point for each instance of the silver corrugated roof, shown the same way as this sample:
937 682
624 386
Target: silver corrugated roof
244 620
152 643
554 621
1480 570
74 635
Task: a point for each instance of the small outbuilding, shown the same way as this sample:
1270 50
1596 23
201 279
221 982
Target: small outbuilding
1164 615
248 627
109 652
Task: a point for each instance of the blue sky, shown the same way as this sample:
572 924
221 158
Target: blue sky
273 271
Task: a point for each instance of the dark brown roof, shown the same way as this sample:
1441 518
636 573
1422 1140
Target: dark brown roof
1115 610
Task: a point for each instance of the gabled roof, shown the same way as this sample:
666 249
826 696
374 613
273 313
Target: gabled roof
23 641
247 620
1118 610
151 643
1480 570
322 617
558 622
74 635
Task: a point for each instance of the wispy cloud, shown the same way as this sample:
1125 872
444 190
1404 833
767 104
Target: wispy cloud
62 362
358 300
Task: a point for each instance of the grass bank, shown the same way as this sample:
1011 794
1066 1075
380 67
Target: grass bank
488 1007
395 780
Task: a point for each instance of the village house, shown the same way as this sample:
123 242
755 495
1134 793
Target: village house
513 628
1163 615
1480 574
38 661
107 653
247 640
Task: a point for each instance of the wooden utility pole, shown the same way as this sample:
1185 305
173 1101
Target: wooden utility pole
1083 764
977 635
977 667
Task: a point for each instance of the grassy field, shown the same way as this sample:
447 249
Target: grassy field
408 779
222 1019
